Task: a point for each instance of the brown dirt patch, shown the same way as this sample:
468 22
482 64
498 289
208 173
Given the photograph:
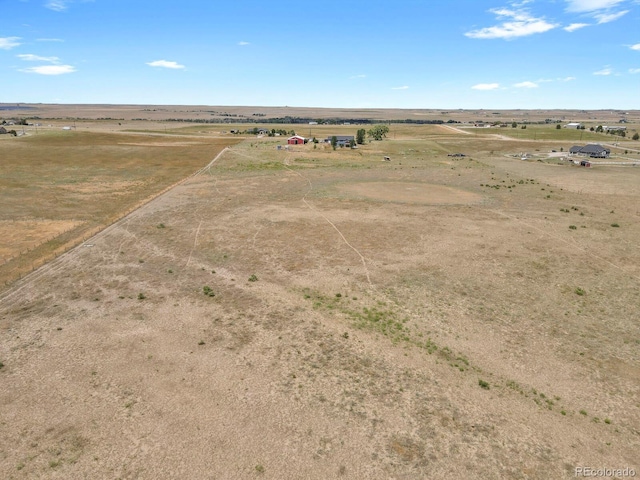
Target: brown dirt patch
412 192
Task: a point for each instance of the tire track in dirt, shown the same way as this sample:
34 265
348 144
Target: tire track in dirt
312 208
206 169
195 243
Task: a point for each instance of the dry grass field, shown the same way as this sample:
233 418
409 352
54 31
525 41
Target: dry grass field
58 187
311 313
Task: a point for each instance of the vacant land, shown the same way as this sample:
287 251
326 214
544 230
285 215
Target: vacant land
57 188
311 313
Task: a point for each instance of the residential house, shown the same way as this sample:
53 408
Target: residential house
592 150
341 140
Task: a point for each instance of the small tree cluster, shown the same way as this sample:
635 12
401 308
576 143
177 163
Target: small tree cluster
378 132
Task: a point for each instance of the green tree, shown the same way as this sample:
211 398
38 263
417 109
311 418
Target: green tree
599 129
558 127
360 135
334 142
352 143
378 132
636 136
514 125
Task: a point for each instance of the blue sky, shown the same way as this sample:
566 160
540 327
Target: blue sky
493 54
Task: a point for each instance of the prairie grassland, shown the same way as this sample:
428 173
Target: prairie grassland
57 188
320 313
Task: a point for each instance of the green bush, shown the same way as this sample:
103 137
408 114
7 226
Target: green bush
207 291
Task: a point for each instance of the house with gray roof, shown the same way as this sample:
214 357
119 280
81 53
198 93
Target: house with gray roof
591 150
341 140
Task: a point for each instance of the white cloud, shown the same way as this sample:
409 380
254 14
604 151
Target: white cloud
567 79
49 40
165 64
609 17
526 85
28 57
57 5
242 44
357 76
604 72
7 43
521 25
601 10
404 87
50 69
591 5
635 47
486 86
634 70
575 26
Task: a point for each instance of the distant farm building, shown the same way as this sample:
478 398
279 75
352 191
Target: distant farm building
575 125
296 140
591 150
615 128
341 140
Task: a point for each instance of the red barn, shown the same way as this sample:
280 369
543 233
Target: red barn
295 140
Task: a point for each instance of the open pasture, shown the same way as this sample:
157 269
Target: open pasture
58 187
319 313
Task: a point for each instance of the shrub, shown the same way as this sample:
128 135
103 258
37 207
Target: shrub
572 227
580 291
253 278
141 296
615 225
483 384
207 291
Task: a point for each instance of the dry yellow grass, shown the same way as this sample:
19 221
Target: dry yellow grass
353 332
57 188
